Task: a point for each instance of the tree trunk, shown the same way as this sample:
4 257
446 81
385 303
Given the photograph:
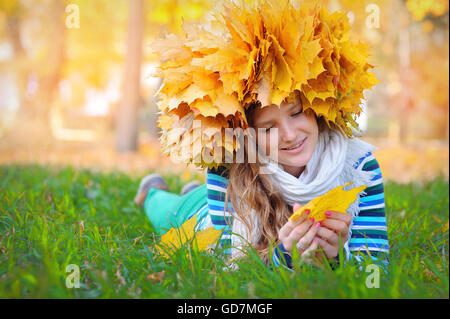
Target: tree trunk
126 120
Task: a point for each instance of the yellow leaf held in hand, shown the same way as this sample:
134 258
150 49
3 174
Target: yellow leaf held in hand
337 200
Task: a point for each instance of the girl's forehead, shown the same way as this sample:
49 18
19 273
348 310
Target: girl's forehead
264 113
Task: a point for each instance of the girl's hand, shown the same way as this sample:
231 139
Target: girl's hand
334 226
302 231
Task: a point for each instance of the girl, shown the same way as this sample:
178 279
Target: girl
310 101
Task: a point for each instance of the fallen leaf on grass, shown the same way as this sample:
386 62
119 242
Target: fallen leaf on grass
175 238
157 277
207 237
337 200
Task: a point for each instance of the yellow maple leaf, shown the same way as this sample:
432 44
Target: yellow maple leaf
337 200
316 67
205 107
175 238
206 237
165 122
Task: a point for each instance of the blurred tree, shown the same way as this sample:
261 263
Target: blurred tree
30 61
126 129
409 31
162 17
168 15
13 13
55 55
423 25
98 46
421 9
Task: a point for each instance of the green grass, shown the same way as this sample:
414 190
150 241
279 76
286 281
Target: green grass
41 210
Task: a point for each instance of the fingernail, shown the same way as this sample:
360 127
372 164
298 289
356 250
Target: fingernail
318 225
328 214
307 211
316 240
312 219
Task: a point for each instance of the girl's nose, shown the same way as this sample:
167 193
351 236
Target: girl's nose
288 134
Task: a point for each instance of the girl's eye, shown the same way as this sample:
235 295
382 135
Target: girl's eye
298 113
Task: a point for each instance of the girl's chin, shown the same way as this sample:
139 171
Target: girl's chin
294 161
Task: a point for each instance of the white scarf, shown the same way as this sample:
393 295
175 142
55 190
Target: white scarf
331 165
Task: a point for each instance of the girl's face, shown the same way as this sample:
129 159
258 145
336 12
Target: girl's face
298 133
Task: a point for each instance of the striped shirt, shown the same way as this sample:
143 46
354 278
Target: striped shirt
368 231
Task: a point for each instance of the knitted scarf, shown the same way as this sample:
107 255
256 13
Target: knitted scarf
333 163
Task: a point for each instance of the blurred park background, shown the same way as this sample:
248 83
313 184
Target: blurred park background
76 85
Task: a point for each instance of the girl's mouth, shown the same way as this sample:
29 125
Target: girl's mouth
295 149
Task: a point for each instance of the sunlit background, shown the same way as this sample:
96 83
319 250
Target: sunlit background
76 85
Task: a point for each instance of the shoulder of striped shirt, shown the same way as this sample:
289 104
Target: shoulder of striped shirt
369 229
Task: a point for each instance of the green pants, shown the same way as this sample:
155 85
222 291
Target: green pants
166 210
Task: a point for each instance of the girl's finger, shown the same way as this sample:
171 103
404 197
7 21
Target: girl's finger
346 218
305 240
311 248
291 224
336 225
328 235
328 249
297 232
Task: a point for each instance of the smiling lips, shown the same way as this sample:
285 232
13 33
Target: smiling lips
295 146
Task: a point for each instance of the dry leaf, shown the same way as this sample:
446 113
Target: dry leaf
157 277
337 200
207 237
175 238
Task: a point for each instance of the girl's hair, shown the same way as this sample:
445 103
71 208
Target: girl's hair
248 189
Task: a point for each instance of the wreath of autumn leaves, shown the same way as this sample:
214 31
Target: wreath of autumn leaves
262 52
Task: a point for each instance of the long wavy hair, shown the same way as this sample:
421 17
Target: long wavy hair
248 189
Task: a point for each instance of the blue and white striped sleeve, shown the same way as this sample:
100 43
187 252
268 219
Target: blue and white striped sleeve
217 183
369 229
281 257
